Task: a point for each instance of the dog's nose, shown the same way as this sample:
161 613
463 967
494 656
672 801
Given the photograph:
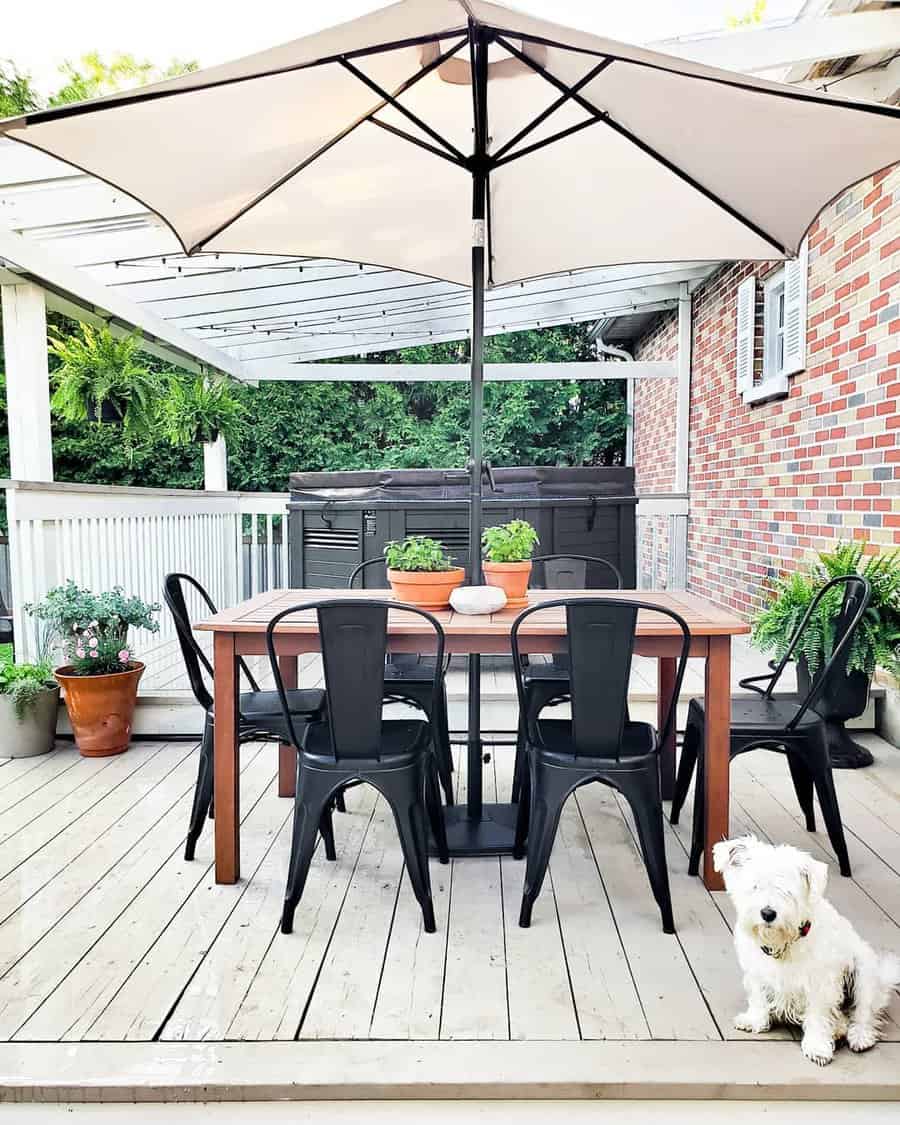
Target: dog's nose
767 914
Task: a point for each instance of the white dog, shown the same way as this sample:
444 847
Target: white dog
803 962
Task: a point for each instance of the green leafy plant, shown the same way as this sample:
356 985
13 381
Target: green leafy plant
25 684
97 370
195 410
877 640
417 552
509 542
93 628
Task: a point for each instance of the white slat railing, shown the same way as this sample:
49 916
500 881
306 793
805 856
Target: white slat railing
103 536
661 542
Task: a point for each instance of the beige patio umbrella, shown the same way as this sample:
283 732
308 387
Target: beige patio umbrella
458 139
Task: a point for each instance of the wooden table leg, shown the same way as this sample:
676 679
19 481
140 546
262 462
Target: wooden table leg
226 774
665 678
287 755
716 753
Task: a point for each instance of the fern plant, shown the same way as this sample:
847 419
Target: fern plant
99 369
195 410
877 640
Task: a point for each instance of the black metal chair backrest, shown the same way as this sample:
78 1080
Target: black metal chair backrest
857 593
359 571
353 636
600 634
574 572
199 668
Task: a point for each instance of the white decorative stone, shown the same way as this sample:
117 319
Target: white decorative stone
477 599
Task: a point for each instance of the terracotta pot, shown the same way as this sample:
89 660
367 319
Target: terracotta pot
511 577
428 589
101 709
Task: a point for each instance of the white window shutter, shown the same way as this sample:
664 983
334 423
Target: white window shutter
795 274
746 331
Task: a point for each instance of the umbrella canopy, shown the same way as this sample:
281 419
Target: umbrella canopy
359 143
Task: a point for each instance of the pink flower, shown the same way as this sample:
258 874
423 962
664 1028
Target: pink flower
124 656
80 652
93 656
93 642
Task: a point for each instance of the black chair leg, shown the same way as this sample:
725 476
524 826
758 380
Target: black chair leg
523 814
698 818
440 725
687 762
521 764
436 814
404 791
643 795
549 788
339 802
803 787
326 829
831 814
203 791
314 792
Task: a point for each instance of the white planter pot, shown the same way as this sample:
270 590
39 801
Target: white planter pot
32 735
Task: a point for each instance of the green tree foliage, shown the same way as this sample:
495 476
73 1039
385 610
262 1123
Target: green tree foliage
92 76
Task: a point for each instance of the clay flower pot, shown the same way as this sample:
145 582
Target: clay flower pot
101 709
428 589
512 577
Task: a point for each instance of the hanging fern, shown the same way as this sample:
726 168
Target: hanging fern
877 640
199 410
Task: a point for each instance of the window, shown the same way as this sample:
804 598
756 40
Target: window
773 327
784 331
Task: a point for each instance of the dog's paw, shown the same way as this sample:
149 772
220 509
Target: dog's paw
752 1022
860 1037
817 1050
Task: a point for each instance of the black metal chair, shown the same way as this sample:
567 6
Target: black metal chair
409 678
599 742
354 743
547 682
261 718
786 724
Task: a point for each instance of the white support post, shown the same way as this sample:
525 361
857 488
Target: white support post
27 382
678 527
215 465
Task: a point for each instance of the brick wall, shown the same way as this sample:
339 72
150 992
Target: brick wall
773 482
653 414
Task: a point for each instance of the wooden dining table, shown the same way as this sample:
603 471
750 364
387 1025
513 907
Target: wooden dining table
473 828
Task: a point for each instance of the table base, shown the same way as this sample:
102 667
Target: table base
492 834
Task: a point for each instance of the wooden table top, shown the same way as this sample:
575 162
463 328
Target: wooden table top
703 617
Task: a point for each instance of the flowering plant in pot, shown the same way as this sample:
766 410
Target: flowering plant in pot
101 676
421 572
29 700
876 643
508 549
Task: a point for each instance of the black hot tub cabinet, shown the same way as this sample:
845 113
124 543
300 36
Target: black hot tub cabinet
337 520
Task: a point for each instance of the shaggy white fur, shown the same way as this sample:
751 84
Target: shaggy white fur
803 962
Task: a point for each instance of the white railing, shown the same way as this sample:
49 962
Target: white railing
104 536
661 542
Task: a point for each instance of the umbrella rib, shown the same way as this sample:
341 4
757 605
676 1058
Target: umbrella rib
391 100
552 108
433 149
669 165
567 132
282 180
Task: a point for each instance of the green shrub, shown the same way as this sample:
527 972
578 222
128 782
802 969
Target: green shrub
509 542
25 684
417 552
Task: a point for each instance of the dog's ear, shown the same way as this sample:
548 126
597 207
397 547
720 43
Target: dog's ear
816 876
732 853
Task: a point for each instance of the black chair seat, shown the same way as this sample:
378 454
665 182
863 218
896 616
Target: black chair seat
754 715
263 709
420 672
541 673
399 738
638 740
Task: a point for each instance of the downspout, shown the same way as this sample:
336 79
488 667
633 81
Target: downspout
602 348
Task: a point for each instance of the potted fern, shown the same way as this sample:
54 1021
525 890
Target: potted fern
508 549
199 410
876 644
100 678
421 572
100 379
29 700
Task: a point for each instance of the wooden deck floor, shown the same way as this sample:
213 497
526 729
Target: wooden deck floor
106 934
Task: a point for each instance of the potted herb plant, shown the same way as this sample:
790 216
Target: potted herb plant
29 700
421 572
507 559
199 410
876 644
100 379
101 677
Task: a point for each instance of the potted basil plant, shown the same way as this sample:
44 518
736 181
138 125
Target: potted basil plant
876 643
421 572
101 675
507 559
29 700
